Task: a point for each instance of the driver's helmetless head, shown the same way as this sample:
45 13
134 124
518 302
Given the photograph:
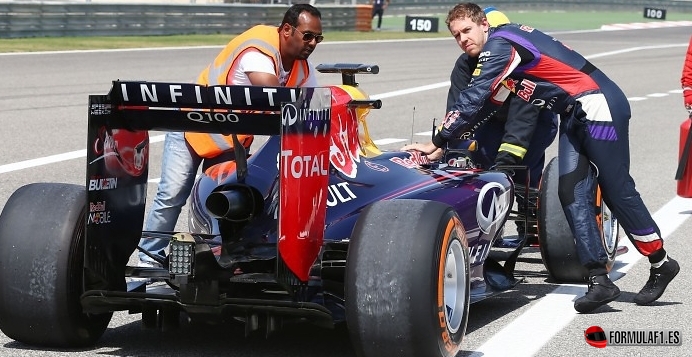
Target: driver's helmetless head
468 24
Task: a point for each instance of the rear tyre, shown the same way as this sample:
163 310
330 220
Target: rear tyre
407 280
42 231
555 238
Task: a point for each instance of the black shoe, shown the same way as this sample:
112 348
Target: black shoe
601 291
658 281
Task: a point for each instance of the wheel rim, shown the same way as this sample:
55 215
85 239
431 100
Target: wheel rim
454 283
610 229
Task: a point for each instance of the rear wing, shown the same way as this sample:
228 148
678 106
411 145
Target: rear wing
118 151
138 105
118 158
192 107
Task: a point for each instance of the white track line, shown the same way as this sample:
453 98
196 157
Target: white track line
556 310
645 25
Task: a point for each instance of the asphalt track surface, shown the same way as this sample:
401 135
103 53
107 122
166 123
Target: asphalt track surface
43 107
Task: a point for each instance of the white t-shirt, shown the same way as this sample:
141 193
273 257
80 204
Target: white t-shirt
255 61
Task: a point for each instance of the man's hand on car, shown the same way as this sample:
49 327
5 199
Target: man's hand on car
432 152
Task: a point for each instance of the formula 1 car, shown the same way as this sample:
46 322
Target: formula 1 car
317 224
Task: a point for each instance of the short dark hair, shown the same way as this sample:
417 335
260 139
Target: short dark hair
291 16
466 10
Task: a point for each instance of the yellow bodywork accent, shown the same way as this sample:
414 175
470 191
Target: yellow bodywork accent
368 148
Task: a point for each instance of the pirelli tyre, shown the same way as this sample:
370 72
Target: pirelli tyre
407 280
42 231
555 239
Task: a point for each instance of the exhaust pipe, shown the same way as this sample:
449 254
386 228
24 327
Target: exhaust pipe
235 203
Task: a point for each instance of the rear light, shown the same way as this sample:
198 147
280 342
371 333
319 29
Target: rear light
181 254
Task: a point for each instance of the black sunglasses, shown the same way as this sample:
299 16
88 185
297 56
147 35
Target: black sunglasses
309 36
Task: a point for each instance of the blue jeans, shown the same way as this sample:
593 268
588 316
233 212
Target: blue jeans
179 166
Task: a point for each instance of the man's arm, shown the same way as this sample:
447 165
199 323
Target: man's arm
499 61
522 118
263 79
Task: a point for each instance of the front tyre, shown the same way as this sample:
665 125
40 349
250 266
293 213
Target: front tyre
407 280
42 232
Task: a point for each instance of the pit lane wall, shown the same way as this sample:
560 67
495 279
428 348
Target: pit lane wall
21 19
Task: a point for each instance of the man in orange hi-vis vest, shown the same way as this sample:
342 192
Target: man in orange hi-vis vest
261 56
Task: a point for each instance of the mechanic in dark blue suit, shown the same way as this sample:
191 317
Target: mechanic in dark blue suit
594 139
517 134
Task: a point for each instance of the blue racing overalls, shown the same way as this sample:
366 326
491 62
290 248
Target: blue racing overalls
594 130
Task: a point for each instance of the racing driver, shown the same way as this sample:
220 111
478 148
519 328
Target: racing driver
518 133
593 137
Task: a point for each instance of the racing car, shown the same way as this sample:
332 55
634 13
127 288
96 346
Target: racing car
317 224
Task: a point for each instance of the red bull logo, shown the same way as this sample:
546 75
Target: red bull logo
344 152
124 152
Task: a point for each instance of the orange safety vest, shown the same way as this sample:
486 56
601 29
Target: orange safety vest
262 38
